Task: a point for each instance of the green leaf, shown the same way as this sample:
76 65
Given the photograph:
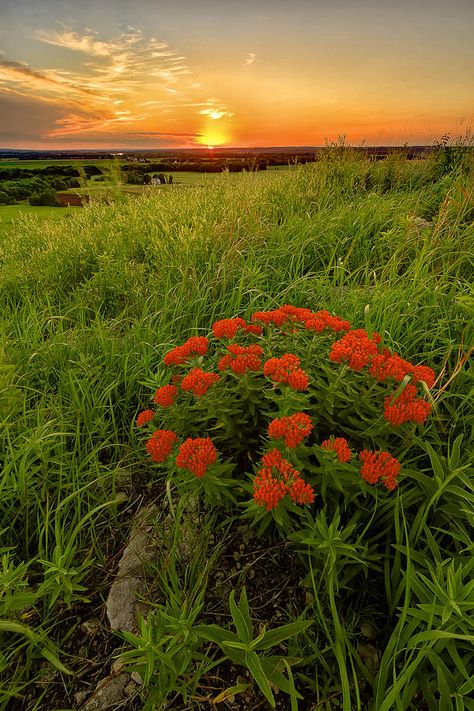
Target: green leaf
230 691
52 658
252 662
214 633
241 620
272 665
274 637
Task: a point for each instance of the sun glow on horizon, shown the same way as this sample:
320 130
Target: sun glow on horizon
212 137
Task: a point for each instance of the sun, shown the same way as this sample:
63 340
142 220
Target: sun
213 137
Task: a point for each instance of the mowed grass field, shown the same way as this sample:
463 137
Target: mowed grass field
103 190
91 303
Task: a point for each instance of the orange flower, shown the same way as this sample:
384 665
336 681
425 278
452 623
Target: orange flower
355 348
166 395
228 327
293 429
286 370
406 408
145 417
196 455
196 345
198 382
323 319
379 466
160 445
340 446
242 358
277 478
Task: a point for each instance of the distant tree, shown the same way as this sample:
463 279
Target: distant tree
5 198
47 198
170 179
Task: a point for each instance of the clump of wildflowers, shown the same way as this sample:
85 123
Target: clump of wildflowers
198 382
292 429
378 466
286 370
239 415
196 455
340 446
160 444
166 395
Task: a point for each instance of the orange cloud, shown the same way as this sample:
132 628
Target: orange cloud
115 85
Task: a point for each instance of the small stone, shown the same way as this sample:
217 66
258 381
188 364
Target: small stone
368 630
108 693
91 627
80 697
117 666
135 676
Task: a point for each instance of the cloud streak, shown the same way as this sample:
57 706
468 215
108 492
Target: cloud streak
113 85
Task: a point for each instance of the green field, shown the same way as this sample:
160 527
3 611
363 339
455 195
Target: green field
16 214
37 164
361 600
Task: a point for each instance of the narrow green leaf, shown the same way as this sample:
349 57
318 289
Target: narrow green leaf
52 658
244 629
230 691
252 662
274 637
214 633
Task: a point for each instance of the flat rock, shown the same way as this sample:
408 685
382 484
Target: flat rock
108 693
121 606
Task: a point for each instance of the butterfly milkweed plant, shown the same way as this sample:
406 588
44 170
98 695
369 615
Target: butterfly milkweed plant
311 431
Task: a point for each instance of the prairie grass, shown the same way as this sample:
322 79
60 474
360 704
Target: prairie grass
89 306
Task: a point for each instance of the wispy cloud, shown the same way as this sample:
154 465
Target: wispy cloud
112 84
250 59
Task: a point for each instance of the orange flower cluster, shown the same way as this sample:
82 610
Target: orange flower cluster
286 370
160 445
313 320
166 395
391 365
323 319
340 446
242 358
292 430
196 455
276 479
145 417
406 408
228 327
355 348
283 314
196 345
379 466
198 382
358 350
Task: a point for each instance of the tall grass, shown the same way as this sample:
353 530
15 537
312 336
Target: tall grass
91 304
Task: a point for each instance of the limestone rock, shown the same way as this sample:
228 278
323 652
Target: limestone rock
122 606
108 693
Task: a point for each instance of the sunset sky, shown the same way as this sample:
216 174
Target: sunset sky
166 73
